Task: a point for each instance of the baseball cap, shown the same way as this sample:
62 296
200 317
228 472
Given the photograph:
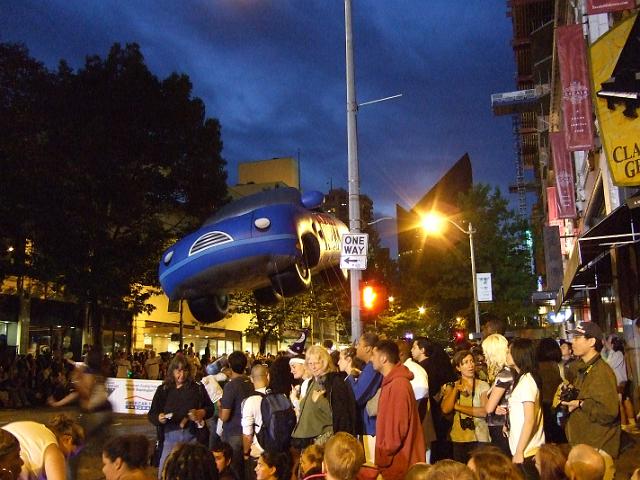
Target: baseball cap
588 329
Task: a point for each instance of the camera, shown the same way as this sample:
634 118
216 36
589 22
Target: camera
467 423
569 393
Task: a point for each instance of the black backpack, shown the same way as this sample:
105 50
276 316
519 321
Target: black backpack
278 422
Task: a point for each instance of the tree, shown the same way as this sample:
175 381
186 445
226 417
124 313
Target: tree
127 163
25 89
439 276
324 303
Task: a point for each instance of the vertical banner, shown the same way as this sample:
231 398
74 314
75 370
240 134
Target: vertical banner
574 79
565 188
552 205
483 282
605 6
615 70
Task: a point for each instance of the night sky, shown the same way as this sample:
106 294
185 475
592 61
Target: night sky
273 72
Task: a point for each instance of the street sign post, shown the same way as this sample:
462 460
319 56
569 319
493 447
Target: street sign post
353 251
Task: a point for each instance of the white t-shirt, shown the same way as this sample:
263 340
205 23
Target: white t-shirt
420 382
617 363
34 438
525 391
252 419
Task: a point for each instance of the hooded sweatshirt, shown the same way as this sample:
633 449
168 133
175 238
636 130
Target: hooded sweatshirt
399 437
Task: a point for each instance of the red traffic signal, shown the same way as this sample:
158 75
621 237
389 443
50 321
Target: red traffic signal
373 297
459 336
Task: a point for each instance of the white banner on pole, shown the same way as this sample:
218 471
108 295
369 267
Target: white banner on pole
483 283
131 395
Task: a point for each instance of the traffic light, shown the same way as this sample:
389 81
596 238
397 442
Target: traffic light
459 335
373 298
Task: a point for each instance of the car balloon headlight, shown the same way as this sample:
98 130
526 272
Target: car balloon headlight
262 223
167 258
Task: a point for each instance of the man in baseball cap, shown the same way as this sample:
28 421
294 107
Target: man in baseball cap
594 416
589 330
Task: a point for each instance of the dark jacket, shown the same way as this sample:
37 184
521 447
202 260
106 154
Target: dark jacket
193 396
343 404
597 422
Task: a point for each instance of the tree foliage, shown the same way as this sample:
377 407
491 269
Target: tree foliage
107 165
324 303
439 276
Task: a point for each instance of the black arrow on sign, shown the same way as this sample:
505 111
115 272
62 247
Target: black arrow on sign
351 260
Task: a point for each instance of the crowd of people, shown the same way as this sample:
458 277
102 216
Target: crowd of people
518 409
409 403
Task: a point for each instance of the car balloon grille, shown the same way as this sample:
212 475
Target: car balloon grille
209 240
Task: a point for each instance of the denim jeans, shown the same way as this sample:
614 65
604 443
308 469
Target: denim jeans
170 440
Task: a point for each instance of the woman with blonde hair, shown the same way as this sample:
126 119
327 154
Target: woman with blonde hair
500 376
328 407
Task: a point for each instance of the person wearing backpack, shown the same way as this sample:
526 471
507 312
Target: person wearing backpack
268 416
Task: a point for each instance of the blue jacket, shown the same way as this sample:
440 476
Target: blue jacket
364 388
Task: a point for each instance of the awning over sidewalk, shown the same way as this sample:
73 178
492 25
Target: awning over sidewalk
620 227
585 268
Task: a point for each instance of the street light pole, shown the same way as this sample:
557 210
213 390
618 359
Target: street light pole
430 223
476 309
354 178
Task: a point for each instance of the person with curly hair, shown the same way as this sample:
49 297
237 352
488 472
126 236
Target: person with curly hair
190 461
10 461
500 376
125 457
179 408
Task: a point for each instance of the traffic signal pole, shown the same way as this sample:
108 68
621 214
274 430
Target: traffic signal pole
353 173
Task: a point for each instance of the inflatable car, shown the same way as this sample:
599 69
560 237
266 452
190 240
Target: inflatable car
270 243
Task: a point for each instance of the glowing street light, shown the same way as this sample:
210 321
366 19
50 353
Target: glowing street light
421 310
433 223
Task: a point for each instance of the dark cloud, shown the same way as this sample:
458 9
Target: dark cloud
273 72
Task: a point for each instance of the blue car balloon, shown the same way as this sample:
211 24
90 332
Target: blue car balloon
270 243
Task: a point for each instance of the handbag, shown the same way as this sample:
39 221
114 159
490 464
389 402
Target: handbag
202 434
202 431
372 404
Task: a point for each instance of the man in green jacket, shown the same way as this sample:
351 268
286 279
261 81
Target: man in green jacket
594 416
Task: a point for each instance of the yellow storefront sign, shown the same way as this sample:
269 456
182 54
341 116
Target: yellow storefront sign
620 133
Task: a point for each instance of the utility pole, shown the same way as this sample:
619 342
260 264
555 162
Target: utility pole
354 176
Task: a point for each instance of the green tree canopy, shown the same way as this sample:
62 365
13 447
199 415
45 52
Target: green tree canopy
439 276
114 165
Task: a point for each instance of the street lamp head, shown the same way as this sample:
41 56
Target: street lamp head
421 310
432 222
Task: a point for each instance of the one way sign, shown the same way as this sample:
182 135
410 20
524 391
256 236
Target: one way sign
353 251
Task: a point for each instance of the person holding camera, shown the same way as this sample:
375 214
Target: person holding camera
593 415
466 398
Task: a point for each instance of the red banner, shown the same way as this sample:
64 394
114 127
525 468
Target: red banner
604 6
565 189
576 96
552 205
